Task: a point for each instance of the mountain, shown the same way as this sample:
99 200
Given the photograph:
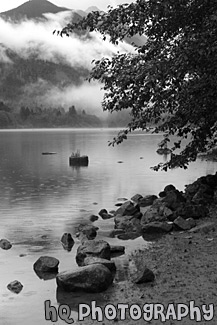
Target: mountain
40 74
32 9
39 70
92 8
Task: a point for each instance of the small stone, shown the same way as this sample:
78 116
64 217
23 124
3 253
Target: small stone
15 286
67 241
5 244
144 276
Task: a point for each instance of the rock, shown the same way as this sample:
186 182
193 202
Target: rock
67 241
190 210
94 248
93 218
205 228
15 286
157 212
91 278
157 227
5 244
102 211
128 223
122 199
184 224
169 188
118 204
106 216
87 232
147 200
136 198
163 151
173 199
97 260
116 232
143 276
127 209
117 249
46 275
46 264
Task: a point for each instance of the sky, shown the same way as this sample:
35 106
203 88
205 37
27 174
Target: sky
71 4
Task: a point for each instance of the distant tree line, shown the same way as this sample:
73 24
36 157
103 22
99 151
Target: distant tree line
45 117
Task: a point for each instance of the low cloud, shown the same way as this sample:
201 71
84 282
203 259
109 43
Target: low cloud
36 37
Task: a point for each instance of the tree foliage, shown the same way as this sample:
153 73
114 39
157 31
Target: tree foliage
171 80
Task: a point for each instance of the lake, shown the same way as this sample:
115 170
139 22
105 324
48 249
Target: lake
42 197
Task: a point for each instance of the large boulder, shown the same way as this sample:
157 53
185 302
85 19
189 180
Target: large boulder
157 228
91 278
93 248
46 264
5 244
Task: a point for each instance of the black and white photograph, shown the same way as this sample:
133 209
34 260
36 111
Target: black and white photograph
108 162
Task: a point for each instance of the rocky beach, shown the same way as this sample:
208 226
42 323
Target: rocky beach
177 269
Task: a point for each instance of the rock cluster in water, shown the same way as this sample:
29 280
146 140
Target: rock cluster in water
145 216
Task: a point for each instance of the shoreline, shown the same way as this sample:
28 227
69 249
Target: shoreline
184 264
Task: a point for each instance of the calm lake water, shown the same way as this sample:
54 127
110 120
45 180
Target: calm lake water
42 197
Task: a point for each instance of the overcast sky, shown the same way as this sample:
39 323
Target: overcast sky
71 4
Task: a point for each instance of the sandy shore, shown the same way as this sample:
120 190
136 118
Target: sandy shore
184 264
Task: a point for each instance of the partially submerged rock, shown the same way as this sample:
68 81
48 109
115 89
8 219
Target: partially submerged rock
15 286
94 248
128 223
67 241
147 200
46 264
91 278
127 209
5 244
93 217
